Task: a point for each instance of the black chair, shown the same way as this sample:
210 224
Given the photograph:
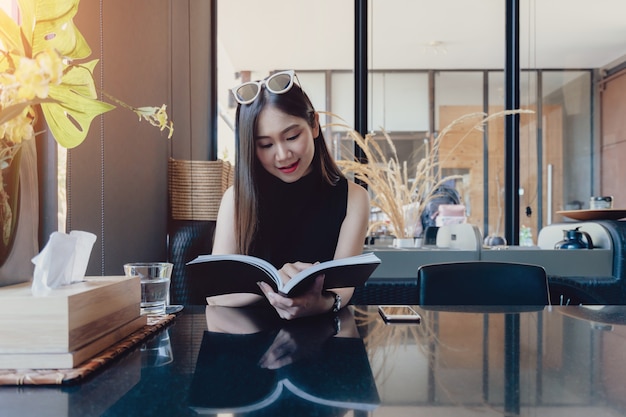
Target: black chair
187 240
378 291
480 283
196 188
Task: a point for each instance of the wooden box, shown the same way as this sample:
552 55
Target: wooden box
69 325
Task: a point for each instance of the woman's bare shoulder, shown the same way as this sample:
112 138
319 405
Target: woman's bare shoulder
357 195
230 192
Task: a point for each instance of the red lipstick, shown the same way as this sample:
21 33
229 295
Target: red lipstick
290 168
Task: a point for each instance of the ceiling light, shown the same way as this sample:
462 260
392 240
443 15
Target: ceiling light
435 48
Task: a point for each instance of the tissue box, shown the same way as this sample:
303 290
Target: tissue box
70 325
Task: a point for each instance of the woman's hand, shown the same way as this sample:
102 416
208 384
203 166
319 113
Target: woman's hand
285 349
293 343
289 270
308 303
300 339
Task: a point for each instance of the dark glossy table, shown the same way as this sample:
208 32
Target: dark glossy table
559 361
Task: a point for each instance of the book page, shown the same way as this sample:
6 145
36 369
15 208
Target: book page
262 264
345 272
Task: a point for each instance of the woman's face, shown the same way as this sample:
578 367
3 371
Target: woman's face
285 144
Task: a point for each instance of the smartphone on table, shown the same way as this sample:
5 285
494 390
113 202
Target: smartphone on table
399 314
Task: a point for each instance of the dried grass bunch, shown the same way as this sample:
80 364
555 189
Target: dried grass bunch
402 195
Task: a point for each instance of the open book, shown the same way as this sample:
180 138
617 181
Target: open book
228 377
240 273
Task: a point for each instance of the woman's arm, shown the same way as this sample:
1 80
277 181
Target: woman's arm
355 224
224 240
225 243
353 230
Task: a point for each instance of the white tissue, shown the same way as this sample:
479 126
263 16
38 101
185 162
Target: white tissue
62 261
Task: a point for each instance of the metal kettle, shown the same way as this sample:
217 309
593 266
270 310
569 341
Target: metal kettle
573 239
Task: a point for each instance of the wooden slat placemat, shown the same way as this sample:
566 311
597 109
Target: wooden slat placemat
87 368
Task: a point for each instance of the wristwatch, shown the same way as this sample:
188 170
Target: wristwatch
337 303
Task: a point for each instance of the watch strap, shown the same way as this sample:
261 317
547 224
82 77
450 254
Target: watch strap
336 303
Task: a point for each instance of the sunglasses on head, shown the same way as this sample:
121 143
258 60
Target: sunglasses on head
278 83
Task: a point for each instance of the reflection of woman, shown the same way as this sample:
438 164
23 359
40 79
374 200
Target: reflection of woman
249 320
290 203
293 340
272 367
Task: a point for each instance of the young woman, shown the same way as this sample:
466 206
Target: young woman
290 203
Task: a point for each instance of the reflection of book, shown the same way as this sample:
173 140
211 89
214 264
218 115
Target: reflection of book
240 273
228 378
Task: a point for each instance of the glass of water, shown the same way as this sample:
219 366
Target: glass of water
155 284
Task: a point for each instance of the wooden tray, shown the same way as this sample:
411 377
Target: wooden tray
71 376
600 214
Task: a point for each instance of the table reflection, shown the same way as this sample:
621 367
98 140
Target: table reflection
558 361
546 362
251 362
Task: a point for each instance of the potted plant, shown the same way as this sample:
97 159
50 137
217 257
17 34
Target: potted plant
45 71
402 194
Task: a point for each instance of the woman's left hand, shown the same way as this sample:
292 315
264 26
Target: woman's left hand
308 303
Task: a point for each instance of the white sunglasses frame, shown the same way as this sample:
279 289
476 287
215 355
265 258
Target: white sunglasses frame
260 83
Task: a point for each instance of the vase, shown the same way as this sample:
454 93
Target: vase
20 231
9 205
404 242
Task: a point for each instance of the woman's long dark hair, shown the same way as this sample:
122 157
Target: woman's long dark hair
247 167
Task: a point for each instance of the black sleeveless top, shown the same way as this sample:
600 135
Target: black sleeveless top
299 221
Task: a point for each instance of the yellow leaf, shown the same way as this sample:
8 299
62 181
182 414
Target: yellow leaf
76 106
80 78
69 122
46 10
55 29
10 34
27 16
